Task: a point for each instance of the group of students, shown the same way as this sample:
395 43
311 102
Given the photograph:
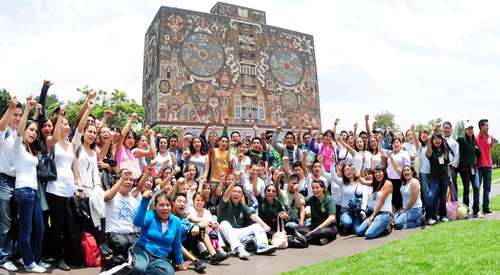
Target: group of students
165 200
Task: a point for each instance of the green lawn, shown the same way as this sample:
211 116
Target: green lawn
495 203
461 247
494 176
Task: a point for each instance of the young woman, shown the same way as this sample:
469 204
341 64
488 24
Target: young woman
240 162
219 158
270 209
326 149
31 226
411 145
375 148
160 236
424 169
199 157
361 158
352 197
402 158
146 149
410 215
164 155
62 189
378 221
322 229
437 153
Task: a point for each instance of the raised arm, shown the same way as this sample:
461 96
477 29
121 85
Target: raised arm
347 146
7 116
85 105
85 116
52 140
43 96
111 193
124 131
303 163
334 130
24 119
107 115
367 126
355 130
428 152
395 165
228 192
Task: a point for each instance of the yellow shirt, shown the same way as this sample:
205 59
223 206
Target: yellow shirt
218 165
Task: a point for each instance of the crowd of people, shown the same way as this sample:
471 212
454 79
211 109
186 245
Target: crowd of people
166 200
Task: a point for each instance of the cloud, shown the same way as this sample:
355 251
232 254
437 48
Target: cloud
418 59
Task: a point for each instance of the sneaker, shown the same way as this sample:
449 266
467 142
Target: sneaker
431 221
445 219
34 268
63 266
266 250
242 253
323 241
487 211
218 257
199 266
9 266
44 265
478 215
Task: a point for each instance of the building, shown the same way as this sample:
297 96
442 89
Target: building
227 63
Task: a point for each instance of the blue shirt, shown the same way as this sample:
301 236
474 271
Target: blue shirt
152 239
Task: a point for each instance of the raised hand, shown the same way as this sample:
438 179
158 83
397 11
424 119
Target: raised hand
91 104
13 102
92 95
147 194
109 113
133 118
367 117
47 83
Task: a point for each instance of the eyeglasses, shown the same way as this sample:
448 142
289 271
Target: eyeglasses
271 190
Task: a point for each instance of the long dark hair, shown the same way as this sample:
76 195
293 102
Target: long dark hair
444 145
413 173
377 186
34 147
91 146
202 148
345 179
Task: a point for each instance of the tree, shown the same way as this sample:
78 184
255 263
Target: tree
385 119
4 101
495 154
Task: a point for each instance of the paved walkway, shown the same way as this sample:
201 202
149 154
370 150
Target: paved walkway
289 259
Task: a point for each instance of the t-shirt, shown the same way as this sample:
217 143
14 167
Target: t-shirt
248 188
161 158
237 215
219 164
25 164
269 213
439 165
240 166
255 156
64 185
402 158
120 212
6 159
320 209
288 201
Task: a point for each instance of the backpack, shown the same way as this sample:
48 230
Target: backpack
91 251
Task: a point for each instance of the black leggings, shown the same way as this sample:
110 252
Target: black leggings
59 218
329 232
397 198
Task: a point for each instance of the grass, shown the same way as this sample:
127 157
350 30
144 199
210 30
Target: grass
495 203
495 176
462 247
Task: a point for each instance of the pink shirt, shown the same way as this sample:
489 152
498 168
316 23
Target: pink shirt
485 143
327 152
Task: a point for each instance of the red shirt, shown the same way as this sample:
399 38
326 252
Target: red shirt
485 143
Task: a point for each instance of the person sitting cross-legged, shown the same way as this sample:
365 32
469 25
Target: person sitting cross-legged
234 226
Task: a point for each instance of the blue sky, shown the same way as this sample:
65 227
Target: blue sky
418 59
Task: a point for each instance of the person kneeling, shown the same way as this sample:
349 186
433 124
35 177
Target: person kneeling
234 216
322 229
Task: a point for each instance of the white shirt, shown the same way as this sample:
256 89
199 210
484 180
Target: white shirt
120 212
240 165
406 193
89 171
25 165
402 158
261 186
425 166
6 144
307 184
454 146
64 185
163 158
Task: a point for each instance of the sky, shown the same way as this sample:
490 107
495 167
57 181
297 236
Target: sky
420 60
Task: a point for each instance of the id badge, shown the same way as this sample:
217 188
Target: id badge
472 171
323 209
441 160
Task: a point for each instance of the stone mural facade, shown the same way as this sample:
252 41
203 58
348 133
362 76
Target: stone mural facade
206 66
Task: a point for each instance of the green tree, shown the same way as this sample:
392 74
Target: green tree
4 101
495 154
385 119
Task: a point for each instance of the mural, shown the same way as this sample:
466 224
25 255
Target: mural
200 66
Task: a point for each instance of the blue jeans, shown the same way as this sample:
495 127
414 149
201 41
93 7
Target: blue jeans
453 175
376 228
145 263
30 224
410 218
485 177
468 179
437 197
350 219
6 193
425 180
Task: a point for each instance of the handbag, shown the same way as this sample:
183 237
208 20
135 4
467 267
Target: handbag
451 205
279 238
297 240
46 168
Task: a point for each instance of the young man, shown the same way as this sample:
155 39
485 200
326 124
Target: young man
256 153
294 204
289 148
234 226
484 163
454 155
8 126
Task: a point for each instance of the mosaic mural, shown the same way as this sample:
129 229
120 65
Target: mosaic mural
206 66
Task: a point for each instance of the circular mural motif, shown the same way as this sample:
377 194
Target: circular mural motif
286 66
202 54
289 101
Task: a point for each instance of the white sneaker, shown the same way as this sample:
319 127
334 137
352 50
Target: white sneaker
44 265
266 250
478 215
35 268
9 266
445 219
242 253
431 221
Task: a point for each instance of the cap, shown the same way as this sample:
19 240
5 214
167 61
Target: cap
468 124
